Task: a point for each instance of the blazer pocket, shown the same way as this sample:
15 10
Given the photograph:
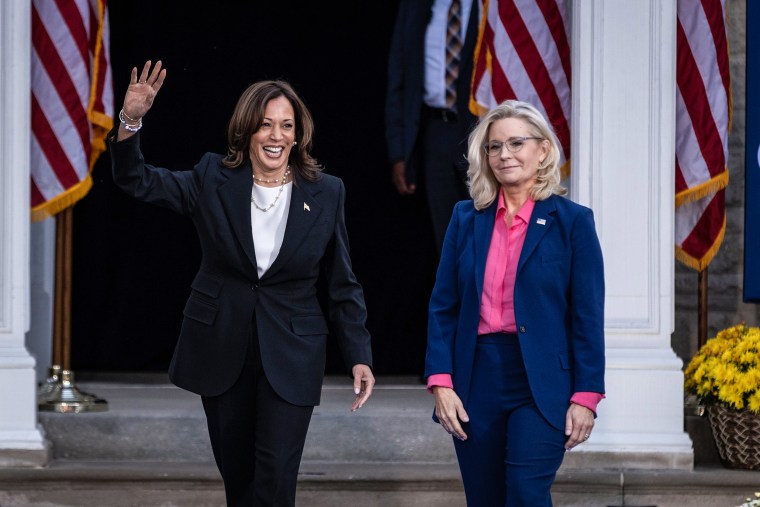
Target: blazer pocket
200 310
207 284
309 325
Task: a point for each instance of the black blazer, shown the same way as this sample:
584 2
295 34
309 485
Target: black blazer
406 87
227 292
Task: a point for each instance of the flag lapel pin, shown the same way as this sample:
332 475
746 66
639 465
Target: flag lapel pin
541 221
306 207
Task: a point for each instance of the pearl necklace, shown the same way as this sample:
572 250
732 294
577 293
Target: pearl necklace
279 193
276 180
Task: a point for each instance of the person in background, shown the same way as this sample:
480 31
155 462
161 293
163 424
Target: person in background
515 354
427 117
253 338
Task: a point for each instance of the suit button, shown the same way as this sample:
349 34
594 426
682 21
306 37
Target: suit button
254 286
522 329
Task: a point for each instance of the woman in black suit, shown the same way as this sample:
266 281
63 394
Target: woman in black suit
253 338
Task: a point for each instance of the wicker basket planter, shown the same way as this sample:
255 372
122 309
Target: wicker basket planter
737 436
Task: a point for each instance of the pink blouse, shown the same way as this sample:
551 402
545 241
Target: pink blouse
497 304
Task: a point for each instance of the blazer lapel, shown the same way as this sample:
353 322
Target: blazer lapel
484 221
235 195
302 214
540 221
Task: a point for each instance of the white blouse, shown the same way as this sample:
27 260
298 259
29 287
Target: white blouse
268 227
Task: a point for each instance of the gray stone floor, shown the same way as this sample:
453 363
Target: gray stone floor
151 449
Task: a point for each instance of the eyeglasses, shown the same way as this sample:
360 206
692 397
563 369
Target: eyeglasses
513 144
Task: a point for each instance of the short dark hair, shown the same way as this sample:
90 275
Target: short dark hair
247 118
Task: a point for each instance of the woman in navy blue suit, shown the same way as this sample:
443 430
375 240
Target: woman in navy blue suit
253 337
515 354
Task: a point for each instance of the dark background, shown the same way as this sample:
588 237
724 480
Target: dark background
133 262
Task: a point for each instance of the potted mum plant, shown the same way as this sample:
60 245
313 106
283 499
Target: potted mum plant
725 376
751 502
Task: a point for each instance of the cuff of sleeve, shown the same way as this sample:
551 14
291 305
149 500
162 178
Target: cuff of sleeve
111 137
440 380
588 400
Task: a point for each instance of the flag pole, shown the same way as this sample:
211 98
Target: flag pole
59 393
62 331
702 308
692 404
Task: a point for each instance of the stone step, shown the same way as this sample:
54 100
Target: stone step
151 449
151 419
158 421
73 483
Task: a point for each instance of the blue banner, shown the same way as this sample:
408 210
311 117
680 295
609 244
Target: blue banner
752 161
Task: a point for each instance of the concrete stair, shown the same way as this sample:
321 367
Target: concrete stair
151 449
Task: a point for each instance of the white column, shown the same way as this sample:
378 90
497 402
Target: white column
39 338
21 441
623 154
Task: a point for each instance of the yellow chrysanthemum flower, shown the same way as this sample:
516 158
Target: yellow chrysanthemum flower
753 402
727 369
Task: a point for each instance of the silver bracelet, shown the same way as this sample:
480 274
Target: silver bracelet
129 117
130 127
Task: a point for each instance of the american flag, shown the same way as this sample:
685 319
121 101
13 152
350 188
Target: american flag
72 99
703 119
523 53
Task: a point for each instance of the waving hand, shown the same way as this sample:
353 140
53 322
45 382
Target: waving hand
140 95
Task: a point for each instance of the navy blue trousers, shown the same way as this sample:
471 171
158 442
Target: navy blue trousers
512 453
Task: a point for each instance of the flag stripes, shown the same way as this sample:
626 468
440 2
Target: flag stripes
709 224
523 53
72 99
702 111
703 116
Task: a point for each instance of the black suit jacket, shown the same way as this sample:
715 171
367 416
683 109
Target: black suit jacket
227 291
406 81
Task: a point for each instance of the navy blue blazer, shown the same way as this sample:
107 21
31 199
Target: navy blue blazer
227 291
559 302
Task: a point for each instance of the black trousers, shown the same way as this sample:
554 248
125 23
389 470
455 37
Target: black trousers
444 148
257 438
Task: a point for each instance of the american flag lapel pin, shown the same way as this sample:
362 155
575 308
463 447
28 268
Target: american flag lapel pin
541 221
306 207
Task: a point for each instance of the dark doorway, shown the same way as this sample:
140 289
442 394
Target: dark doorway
133 262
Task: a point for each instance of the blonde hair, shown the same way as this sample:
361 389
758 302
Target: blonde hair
484 188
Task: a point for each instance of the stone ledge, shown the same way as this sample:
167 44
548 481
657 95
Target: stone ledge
24 458
121 483
641 460
702 479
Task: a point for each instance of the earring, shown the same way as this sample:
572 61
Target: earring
295 142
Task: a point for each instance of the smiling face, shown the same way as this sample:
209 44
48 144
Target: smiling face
516 171
270 145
